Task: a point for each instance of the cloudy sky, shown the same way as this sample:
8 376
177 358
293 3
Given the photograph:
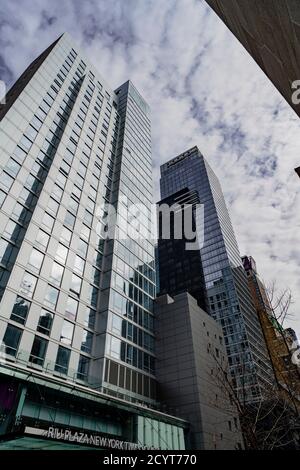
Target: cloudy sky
204 90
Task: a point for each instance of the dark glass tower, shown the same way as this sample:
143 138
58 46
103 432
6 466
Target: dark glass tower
180 270
229 299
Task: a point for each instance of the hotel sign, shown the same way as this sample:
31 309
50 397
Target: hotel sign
75 437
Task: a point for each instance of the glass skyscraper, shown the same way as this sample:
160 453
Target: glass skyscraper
228 295
76 306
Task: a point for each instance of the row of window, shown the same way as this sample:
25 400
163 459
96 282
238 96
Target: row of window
131 332
28 286
132 311
12 338
20 313
125 352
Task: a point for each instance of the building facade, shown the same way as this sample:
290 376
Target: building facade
192 371
229 299
270 31
280 342
180 269
75 306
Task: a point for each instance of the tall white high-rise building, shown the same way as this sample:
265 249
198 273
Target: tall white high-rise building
76 308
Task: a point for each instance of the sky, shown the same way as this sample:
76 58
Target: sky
205 90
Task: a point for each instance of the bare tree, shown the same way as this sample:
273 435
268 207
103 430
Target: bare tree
272 421
266 424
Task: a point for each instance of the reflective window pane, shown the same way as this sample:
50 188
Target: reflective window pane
42 239
83 368
67 331
61 253
6 180
45 322
12 339
87 339
66 235
51 297
79 264
20 310
48 221
38 351
57 273
76 284
90 318
71 308
36 260
62 360
28 284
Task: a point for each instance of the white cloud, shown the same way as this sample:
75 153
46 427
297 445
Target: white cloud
205 90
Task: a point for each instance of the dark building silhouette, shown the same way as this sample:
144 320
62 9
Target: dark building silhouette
180 270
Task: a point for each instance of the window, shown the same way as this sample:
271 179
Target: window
73 205
12 167
7 251
116 324
87 339
82 169
76 192
61 253
57 192
71 308
83 368
62 360
70 219
25 143
88 217
21 213
61 180
19 154
85 232
28 284
67 331
79 264
42 239
13 231
75 284
36 123
6 180
57 273
2 197
66 235
36 260
65 167
90 318
93 295
53 206
12 339
48 221
29 200
38 351
96 276
51 297
115 347
79 181
82 248
20 310
45 322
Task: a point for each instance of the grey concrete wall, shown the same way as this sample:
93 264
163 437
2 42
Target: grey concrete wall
186 372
